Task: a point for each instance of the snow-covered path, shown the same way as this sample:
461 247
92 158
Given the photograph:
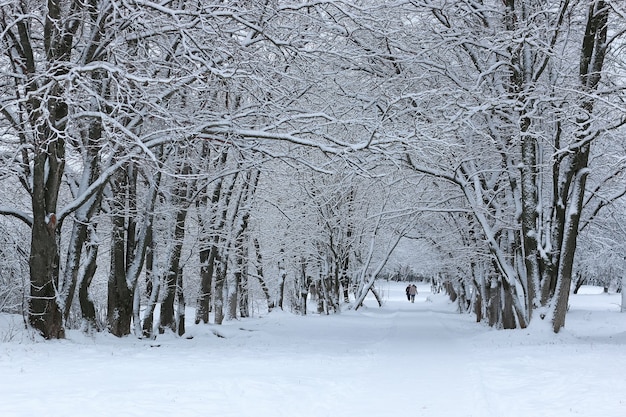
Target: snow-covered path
420 359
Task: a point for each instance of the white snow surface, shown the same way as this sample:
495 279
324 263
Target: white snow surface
404 359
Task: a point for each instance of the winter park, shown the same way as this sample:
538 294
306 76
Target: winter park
327 208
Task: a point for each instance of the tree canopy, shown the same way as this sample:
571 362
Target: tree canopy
195 153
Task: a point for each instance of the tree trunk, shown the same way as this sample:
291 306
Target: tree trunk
260 276
494 292
478 305
623 291
87 307
568 247
207 265
180 305
282 276
46 115
319 296
232 298
77 241
181 196
172 273
91 139
120 297
129 245
593 52
209 242
220 281
153 286
301 289
377 296
244 292
44 313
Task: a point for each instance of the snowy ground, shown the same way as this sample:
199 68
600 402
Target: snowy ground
405 359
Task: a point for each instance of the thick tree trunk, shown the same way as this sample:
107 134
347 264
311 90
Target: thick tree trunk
593 52
568 247
47 115
120 297
44 312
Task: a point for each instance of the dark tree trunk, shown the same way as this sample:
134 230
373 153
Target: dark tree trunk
260 276
180 305
282 276
242 242
593 52
478 306
494 292
244 293
377 296
152 289
450 291
207 264
120 297
44 312
220 281
173 273
241 277
320 296
47 116
209 241
301 289
88 310
578 283
508 313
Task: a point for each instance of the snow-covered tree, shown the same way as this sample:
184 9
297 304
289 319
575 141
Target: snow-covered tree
520 121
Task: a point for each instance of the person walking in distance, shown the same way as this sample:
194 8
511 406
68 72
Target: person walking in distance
412 291
407 291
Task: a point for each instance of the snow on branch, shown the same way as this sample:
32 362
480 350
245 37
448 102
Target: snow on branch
18 214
